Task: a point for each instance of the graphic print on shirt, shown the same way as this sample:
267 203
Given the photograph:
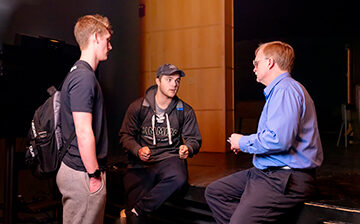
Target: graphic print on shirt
161 133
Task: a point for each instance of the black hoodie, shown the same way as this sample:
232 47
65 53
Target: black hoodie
135 134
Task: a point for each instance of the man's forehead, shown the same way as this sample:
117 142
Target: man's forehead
259 53
173 75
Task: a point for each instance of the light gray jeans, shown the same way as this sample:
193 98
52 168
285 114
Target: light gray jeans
79 205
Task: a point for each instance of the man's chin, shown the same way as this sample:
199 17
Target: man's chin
104 58
171 95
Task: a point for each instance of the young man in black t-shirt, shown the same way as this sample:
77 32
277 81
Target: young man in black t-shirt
81 177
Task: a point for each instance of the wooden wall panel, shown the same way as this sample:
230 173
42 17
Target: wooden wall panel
229 13
148 79
202 89
229 47
185 48
229 88
229 70
180 14
212 124
230 107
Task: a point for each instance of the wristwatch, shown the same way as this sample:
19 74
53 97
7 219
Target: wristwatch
95 174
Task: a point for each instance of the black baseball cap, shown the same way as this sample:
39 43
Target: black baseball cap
168 69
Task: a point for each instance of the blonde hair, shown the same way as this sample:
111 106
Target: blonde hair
282 53
89 24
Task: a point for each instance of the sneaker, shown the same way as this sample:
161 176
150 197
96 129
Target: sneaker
132 218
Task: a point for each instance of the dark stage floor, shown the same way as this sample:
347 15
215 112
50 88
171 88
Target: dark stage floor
338 179
338 182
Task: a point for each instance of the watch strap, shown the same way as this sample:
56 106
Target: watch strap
95 174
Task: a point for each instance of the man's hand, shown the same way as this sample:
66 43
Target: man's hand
183 152
234 141
95 184
144 153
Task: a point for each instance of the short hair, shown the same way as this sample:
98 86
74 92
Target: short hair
89 24
282 53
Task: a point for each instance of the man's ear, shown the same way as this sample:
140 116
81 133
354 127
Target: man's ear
96 37
271 62
92 38
157 80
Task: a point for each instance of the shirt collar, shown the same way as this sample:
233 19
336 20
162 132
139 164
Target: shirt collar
268 89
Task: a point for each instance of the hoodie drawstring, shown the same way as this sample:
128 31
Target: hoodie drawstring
168 127
153 129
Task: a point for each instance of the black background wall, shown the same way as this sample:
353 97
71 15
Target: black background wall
319 31
28 71
56 19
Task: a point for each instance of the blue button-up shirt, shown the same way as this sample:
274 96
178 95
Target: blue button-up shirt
287 133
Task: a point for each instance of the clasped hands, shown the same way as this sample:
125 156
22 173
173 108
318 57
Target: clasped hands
234 141
144 153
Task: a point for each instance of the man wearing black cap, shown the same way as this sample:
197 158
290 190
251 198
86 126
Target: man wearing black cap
159 132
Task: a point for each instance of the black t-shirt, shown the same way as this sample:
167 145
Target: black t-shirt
81 92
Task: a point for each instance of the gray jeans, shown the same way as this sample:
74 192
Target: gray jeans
79 205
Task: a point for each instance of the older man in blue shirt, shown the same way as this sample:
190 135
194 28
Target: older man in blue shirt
286 149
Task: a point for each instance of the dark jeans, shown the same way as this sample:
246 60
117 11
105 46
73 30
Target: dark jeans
255 196
148 188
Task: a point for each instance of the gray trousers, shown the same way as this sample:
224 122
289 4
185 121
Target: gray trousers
79 205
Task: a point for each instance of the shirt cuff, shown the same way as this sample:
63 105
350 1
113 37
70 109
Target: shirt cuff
244 143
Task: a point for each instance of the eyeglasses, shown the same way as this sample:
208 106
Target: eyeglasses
256 63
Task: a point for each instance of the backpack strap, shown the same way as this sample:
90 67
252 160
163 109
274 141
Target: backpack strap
180 113
65 147
144 109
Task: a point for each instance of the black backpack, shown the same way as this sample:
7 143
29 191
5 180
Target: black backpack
46 149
